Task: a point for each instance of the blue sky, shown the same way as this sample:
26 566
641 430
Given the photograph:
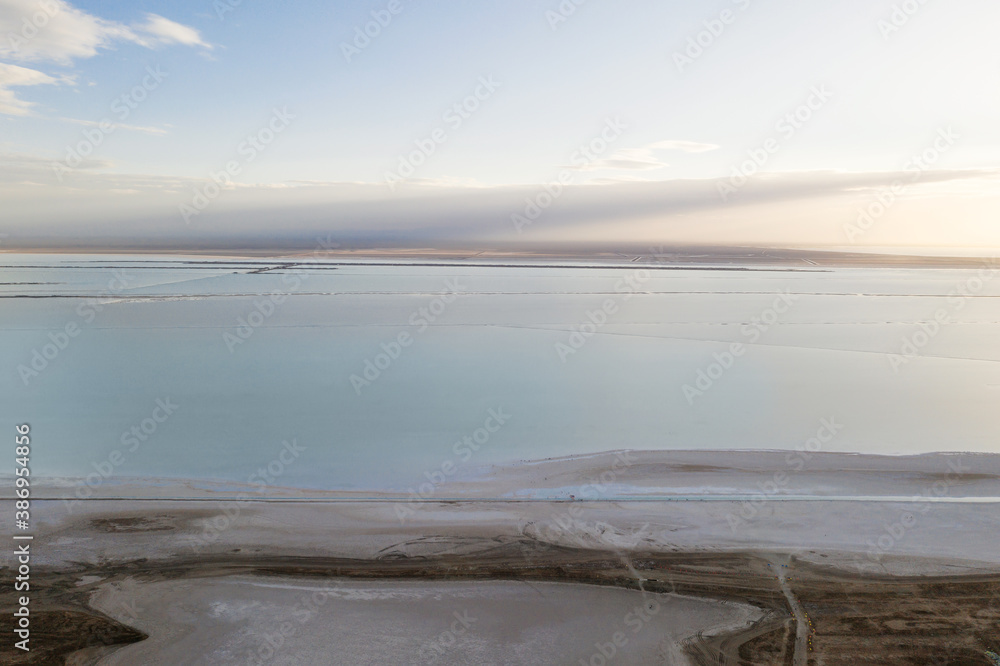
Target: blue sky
892 77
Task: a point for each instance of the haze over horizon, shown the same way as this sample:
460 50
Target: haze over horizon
526 124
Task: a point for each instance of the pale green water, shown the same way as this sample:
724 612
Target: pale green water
493 347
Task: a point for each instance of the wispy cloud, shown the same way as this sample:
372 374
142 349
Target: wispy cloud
806 207
15 166
12 76
134 128
683 146
157 31
644 158
53 31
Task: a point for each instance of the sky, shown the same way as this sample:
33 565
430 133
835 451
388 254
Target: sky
861 123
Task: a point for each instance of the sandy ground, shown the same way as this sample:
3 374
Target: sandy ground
623 474
230 602
940 509
209 577
767 473
876 537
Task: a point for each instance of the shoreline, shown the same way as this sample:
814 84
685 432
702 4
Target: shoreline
650 475
686 256
746 578
897 577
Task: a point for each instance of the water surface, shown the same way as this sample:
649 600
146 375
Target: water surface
154 328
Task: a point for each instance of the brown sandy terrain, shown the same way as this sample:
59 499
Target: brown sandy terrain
854 619
810 589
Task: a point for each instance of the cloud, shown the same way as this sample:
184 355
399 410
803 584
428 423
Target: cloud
640 159
55 31
135 128
683 146
628 159
13 167
643 159
158 31
776 208
13 75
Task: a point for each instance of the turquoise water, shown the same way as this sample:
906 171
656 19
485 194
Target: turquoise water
111 335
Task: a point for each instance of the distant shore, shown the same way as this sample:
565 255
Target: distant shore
647 256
